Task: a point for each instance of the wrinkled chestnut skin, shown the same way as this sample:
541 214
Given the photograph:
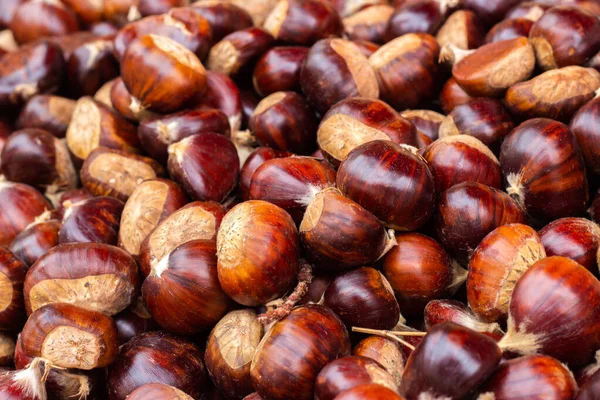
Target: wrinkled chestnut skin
484 118
21 204
279 70
363 297
490 11
416 17
565 35
157 357
288 182
95 220
29 71
133 321
12 275
469 211
223 18
419 270
255 160
544 168
35 20
464 357
452 95
391 182
90 66
585 125
555 289
295 350
534 376
284 121
35 241
371 391
158 133
50 113
509 29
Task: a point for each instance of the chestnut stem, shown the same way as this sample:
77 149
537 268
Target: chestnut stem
377 332
451 54
305 277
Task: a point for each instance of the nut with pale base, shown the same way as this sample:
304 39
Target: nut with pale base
223 17
462 29
440 311
12 275
48 112
35 20
386 352
92 220
418 17
368 24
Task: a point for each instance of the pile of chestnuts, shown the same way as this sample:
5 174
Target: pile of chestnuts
299 199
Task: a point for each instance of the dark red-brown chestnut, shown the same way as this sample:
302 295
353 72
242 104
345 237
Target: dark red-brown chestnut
255 160
21 205
12 275
93 220
47 112
278 70
386 352
439 311
35 241
134 321
584 126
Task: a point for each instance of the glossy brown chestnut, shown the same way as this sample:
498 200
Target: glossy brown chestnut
229 352
462 29
155 7
90 66
67 199
497 264
348 372
35 20
157 357
290 182
35 241
284 121
116 173
94 220
589 389
51 113
555 289
223 17
439 311
100 277
134 321
12 275
427 122
467 212
552 186
483 118
87 11
161 73
71 336
206 165
294 351
490 12
223 94
368 24
158 132
21 205
316 289
279 70
125 104
555 94
346 8
93 124
386 352
407 69
533 376
28 71
186 279
303 22
531 10
335 69
258 250
255 160
359 120
340 233
419 270
464 357
370 391
150 203
158 391
584 126
452 95
509 29
417 17
238 50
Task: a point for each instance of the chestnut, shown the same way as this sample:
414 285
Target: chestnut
116 173
348 372
25 384
71 336
418 17
483 118
439 311
100 278
419 270
206 165
316 289
87 11
574 238
157 357
158 391
467 212
67 199
497 264
509 29
197 220
366 47
223 94
407 69
238 50
125 104
257 242
555 94
103 95
390 181
35 20
295 349
155 7
462 158
121 12
553 186
303 22
7 349
427 122
278 70
94 220
21 205
584 127
90 66
68 43
565 35
187 278
335 69
462 29
386 352
554 310
368 24
530 376
346 8
223 17
337 231
150 203
38 158
12 275
8 11
369 391
28 71
47 112
531 10
93 124
290 182
284 121
488 11
158 132
35 241
229 351
258 9
452 95
255 160
358 120
161 73
589 388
